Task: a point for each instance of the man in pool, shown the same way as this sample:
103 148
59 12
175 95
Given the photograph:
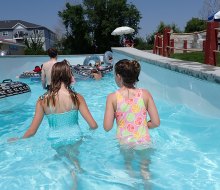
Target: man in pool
96 74
47 67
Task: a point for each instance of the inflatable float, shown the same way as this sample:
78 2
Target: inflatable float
33 75
91 60
108 58
30 75
89 64
13 93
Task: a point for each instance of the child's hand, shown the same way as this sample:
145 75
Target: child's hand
13 139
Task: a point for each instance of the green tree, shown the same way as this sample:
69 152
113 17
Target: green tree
195 25
162 26
94 20
106 15
77 38
140 43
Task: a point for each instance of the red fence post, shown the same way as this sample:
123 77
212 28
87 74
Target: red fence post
211 43
160 45
185 46
166 41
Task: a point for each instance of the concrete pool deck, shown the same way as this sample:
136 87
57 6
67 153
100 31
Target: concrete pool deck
195 69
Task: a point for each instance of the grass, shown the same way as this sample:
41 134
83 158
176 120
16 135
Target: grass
194 56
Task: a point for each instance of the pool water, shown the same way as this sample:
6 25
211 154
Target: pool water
184 153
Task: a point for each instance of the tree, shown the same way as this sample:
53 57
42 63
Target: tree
209 7
195 25
141 44
34 44
94 20
77 36
162 26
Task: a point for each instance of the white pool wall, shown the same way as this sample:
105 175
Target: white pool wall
201 96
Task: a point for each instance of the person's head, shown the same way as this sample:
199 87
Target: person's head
98 63
37 67
61 74
52 52
128 72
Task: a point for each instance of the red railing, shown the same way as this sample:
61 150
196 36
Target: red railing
164 46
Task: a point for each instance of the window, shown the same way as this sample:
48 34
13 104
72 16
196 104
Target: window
36 31
5 33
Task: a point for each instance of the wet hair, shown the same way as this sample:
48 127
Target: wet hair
52 52
129 70
61 73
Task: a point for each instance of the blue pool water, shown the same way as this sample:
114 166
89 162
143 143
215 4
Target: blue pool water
184 154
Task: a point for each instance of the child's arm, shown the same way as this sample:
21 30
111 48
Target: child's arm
84 110
39 114
152 110
109 113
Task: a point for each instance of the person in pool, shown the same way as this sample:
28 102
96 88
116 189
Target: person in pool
96 74
129 106
61 106
47 67
61 101
37 69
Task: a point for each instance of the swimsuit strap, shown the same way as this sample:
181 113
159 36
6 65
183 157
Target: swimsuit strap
43 96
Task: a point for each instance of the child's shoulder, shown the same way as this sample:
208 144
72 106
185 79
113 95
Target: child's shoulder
42 97
145 92
112 95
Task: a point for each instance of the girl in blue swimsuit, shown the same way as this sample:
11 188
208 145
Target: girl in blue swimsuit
61 106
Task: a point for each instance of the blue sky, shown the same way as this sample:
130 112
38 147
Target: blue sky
45 12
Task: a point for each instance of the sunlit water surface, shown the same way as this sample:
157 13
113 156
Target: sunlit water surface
184 154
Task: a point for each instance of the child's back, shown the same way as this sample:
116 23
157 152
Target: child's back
131 117
129 106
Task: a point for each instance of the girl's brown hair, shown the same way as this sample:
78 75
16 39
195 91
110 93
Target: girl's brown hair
129 70
61 73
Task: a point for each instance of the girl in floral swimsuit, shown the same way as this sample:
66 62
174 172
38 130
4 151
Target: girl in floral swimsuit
129 106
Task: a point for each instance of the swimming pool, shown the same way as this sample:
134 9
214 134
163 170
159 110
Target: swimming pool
185 152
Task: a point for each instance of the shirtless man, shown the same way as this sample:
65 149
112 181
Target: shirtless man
47 67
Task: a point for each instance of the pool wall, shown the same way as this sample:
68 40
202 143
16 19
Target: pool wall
200 93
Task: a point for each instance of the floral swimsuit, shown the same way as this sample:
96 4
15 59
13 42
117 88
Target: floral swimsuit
131 118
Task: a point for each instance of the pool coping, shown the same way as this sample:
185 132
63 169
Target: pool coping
195 69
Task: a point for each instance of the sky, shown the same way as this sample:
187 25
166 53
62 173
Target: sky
45 12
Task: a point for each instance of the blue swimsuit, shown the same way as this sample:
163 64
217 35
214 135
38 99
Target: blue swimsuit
64 128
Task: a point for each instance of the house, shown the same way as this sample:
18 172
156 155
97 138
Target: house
14 32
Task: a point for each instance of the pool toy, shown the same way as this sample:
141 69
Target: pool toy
30 74
108 58
13 93
84 71
89 64
91 60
